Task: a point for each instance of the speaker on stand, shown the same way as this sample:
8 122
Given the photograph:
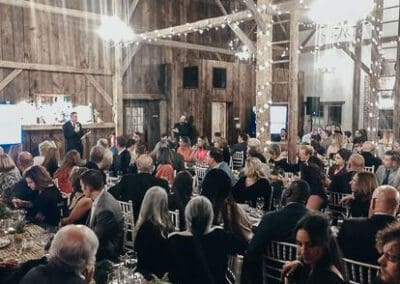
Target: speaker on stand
312 108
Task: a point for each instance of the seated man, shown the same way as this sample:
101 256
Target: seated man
105 218
21 189
388 243
122 159
215 161
356 237
275 226
134 186
72 258
386 173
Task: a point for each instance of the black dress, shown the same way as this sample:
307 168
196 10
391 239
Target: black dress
151 248
261 188
49 203
202 259
359 207
311 173
302 276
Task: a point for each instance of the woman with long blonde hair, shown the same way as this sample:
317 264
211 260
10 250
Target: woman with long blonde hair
152 229
253 185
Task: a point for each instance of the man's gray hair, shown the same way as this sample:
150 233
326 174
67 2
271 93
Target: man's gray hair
74 247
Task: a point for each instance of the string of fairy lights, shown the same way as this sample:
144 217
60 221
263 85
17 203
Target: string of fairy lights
243 53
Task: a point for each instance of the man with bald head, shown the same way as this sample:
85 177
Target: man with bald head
357 236
72 257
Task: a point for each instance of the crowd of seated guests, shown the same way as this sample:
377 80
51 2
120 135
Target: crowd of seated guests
214 225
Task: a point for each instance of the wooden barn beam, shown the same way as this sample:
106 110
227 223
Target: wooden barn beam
99 88
192 46
263 81
132 8
307 39
396 95
358 65
7 80
52 9
132 50
354 57
195 26
117 77
256 14
294 110
331 45
52 68
238 31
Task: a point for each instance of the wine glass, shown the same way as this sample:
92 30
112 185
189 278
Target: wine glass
260 204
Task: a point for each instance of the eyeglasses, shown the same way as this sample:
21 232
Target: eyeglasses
391 258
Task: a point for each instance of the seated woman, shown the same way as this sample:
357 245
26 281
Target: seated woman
9 176
217 188
362 186
321 260
253 184
51 161
341 158
152 230
200 151
45 208
335 146
222 144
312 174
182 190
200 254
277 161
71 159
184 149
78 205
164 168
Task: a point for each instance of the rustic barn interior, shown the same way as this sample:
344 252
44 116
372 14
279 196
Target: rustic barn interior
260 67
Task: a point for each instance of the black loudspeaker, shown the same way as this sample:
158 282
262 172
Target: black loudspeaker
312 105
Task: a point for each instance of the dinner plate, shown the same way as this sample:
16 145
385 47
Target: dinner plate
4 242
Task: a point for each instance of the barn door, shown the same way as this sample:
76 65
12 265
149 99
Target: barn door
218 118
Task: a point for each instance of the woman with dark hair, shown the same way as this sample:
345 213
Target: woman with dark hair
200 254
341 158
50 161
79 205
182 190
45 208
321 260
184 149
71 159
312 174
164 165
362 186
217 188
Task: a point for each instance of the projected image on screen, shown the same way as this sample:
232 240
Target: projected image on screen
10 125
278 118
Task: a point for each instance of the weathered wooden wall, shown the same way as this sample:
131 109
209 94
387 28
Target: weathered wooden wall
32 36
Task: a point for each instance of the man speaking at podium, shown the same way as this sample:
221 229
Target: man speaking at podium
73 134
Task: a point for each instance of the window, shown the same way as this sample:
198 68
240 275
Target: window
278 118
334 115
134 117
191 77
219 78
385 119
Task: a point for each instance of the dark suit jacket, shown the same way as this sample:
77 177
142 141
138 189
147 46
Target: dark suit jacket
357 237
134 187
121 162
274 226
49 274
371 160
107 222
72 138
